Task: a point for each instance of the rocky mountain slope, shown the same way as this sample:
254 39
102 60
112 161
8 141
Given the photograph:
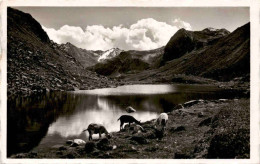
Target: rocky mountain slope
86 58
35 64
184 41
221 57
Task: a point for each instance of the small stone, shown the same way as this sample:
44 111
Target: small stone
223 100
114 147
200 114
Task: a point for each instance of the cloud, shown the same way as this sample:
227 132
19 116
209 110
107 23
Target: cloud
181 24
145 34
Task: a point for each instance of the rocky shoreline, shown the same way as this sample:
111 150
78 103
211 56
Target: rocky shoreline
240 84
196 129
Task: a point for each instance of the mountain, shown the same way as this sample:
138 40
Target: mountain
123 63
109 54
152 57
210 53
35 64
128 62
86 58
207 53
184 41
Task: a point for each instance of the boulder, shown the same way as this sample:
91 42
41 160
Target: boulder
90 146
192 102
75 142
130 109
139 139
104 144
79 141
69 142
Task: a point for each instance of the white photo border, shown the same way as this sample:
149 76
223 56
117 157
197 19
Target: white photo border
254 6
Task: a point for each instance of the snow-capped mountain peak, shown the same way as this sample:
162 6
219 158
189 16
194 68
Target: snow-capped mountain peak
113 52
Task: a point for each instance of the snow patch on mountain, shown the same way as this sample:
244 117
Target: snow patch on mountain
211 29
111 53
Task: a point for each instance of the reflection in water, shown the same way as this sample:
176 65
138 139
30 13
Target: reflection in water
45 120
103 113
131 89
28 120
76 123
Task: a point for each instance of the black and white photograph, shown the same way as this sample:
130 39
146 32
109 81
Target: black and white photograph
129 82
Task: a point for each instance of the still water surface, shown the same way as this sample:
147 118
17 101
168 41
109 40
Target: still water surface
43 121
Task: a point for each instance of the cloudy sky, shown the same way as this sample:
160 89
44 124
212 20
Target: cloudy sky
138 28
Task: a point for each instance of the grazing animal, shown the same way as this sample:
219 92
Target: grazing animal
130 109
127 119
96 129
162 120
